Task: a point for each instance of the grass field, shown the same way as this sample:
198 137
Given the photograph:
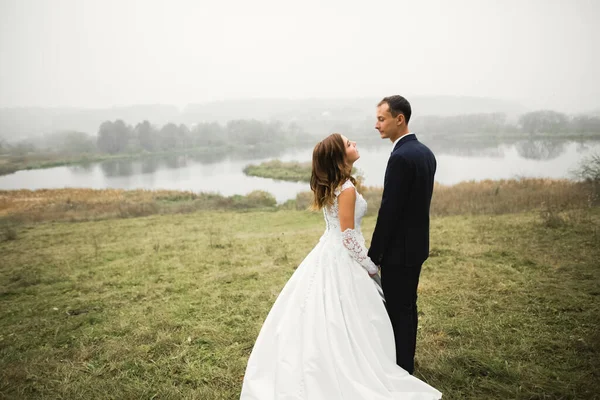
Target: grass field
168 305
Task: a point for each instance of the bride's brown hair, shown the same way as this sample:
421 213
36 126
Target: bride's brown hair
329 170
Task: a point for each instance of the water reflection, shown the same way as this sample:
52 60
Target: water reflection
254 153
584 146
541 149
174 161
535 149
152 164
112 168
530 149
149 165
466 148
209 157
82 169
221 170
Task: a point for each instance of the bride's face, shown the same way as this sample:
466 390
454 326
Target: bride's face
351 150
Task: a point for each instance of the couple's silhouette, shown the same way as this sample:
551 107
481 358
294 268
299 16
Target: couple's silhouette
328 335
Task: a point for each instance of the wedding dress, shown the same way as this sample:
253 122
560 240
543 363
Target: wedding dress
328 335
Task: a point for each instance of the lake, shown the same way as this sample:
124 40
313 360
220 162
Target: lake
457 161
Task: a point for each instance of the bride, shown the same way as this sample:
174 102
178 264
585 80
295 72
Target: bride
328 335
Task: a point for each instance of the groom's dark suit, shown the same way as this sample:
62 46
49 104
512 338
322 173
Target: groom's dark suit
400 242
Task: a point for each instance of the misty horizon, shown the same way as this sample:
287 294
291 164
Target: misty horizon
90 55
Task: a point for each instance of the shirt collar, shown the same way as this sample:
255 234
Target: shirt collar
397 140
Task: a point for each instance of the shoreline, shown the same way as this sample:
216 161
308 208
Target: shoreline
45 160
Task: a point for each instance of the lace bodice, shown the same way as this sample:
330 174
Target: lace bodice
332 220
351 239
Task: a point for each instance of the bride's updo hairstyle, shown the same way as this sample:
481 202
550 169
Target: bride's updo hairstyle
329 170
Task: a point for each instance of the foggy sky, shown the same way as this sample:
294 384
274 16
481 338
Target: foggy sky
89 53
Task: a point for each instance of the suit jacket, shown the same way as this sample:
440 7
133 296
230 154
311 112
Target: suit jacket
401 235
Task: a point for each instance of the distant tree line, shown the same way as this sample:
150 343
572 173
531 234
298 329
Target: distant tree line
117 137
543 122
492 123
547 121
537 122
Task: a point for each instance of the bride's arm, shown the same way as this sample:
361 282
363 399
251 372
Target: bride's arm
350 238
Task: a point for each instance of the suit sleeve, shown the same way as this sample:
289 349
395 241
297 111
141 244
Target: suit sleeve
399 178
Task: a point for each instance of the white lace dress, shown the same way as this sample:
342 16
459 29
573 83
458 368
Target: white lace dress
328 335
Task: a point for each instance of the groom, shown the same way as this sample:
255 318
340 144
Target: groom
400 242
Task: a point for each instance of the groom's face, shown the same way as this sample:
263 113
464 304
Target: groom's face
387 125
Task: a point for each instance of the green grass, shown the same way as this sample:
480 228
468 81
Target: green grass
293 171
169 306
286 171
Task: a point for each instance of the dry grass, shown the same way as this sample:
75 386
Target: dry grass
91 204
509 196
494 197
549 197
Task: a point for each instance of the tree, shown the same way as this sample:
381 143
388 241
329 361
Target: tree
114 137
147 136
4 146
585 124
544 121
77 142
249 132
208 134
589 168
184 137
168 136
106 141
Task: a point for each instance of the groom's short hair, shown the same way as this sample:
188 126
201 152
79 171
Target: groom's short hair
397 105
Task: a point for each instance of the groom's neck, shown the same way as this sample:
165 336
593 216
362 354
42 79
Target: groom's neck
401 133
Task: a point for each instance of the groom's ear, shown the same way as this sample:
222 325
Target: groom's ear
400 119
